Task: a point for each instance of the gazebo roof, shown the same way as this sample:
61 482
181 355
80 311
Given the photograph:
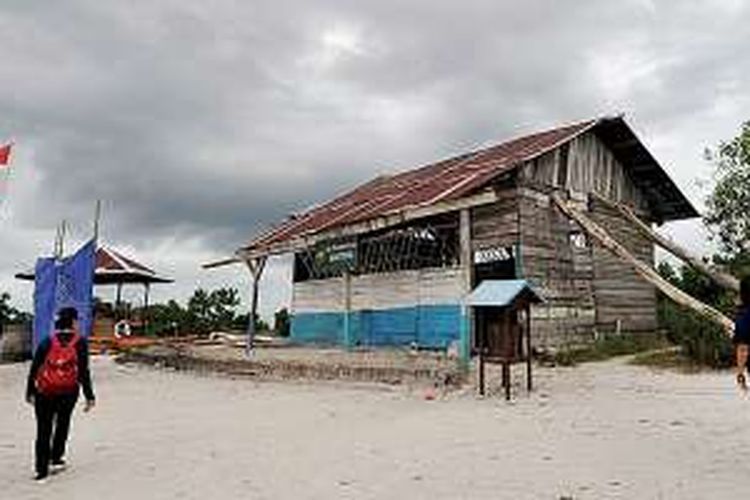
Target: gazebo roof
113 268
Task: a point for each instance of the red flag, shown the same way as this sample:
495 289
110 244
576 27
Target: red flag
4 155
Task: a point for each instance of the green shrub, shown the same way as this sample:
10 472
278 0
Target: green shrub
701 340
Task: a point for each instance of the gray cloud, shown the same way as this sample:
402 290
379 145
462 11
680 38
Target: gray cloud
202 122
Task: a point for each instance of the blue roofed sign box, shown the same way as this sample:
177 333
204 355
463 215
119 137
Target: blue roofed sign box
501 293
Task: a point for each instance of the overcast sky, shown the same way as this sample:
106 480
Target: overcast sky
199 122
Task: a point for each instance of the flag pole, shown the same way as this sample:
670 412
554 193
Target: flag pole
97 217
63 229
56 245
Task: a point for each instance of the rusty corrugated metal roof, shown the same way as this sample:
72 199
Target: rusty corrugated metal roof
442 181
462 175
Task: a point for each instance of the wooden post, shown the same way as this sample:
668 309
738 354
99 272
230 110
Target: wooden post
144 314
528 348
722 279
506 378
467 264
518 260
643 269
118 301
481 368
256 270
348 340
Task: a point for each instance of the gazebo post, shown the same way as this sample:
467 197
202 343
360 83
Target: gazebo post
118 301
256 267
144 314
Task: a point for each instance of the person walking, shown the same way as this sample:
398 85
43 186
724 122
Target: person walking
742 333
59 370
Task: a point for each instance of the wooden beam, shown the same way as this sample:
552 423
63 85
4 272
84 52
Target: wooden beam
223 262
643 269
723 279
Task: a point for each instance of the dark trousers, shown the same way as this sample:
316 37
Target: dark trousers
52 412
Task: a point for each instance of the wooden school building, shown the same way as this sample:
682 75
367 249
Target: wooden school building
392 261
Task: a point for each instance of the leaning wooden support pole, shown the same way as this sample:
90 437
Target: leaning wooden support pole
643 269
722 279
256 267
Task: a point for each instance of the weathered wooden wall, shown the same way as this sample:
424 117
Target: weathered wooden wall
561 272
420 306
591 168
620 294
586 288
497 224
380 291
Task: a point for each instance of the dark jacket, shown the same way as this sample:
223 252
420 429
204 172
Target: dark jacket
84 374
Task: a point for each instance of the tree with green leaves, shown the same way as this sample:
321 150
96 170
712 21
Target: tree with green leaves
6 311
728 204
9 314
210 311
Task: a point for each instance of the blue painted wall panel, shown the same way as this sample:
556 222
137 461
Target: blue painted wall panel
320 328
438 325
427 326
391 327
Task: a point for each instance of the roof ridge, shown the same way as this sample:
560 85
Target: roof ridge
486 148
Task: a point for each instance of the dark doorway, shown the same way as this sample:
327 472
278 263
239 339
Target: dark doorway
494 264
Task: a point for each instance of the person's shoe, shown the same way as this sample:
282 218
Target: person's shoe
58 465
41 477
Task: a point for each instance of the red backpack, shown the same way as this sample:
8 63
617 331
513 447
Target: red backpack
59 373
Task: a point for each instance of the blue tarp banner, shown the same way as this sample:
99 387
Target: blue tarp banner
45 280
67 282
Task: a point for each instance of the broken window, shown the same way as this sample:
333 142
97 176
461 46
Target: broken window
493 254
578 239
494 263
426 243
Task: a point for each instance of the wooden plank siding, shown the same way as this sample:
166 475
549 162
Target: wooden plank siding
399 308
620 294
381 291
585 289
591 168
563 274
496 224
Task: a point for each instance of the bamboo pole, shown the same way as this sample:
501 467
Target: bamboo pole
723 279
643 269
97 217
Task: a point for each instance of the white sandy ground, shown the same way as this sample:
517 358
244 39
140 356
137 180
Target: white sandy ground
598 431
